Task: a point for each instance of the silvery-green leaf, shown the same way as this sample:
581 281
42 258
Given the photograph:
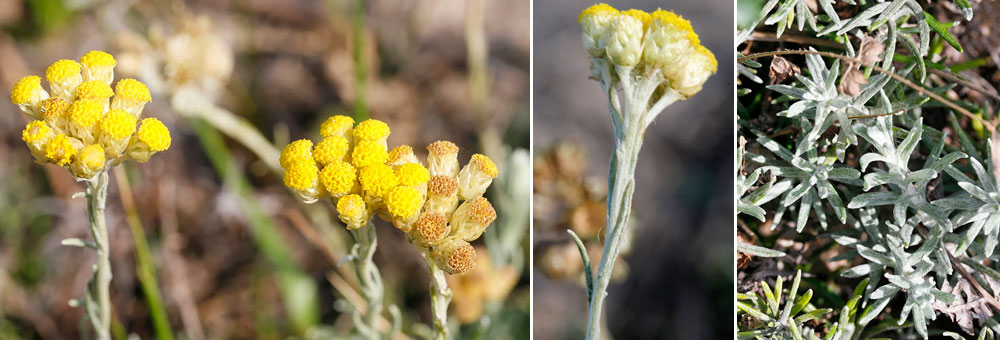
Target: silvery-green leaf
873 199
757 250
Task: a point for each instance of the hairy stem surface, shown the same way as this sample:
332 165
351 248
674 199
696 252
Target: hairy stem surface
440 298
370 280
98 297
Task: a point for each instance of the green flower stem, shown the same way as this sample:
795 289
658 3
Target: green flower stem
630 126
370 280
440 298
98 297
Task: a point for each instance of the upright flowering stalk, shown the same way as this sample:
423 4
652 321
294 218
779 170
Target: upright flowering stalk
81 124
657 59
440 207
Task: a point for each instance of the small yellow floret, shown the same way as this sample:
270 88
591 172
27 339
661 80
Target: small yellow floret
403 202
399 153
485 164
95 59
335 125
35 131
133 90
85 113
94 90
442 147
412 174
92 157
301 175
59 150
368 153
295 151
338 177
54 109
118 124
62 70
351 206
376 180
155 134
371 130
330 149
26 89
601 8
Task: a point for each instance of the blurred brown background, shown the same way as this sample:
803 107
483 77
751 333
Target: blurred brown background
678 280
284 66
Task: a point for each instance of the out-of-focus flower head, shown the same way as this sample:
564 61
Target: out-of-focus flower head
661 41
81 123
484 283
439 206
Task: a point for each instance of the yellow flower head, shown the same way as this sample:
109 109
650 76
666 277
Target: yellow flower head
371 130
595 21
642 16
669 41
61 71
476 177
336 126
295 151
36 131
85 113
54 111
624 40
301 175
430 228
376 180
351 206
118 124
94 90
338 178
27 90
368 153
401 155
412 174
472 218
695 71
442 186
403 202
454 255
131 96
98 66
481 211
88 161
442 158
484 164
60 150
330 149
154 133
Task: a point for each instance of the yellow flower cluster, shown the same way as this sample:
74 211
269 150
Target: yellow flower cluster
81 123
440 207
660 40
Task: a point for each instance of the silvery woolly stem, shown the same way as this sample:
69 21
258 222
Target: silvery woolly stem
98 297
440 298
370 280
629 123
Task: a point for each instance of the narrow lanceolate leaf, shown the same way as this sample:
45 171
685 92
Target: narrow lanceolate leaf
940 29
757 250
587 269
742 306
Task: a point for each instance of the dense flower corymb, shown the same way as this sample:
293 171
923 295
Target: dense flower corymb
81 123
353 167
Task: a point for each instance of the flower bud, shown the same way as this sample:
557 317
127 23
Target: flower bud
98 66
696 69
338 126
429 229
330 149
36 135
624 40
442 195
132 96
595 22
116 128
442 159
339 178
668 42
472 217
28 95
454 255
63 76
476 176
352 211
83 117
151 138
89 160
400 155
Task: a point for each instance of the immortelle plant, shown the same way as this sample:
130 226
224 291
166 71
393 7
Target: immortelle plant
645 62
83 125
439 207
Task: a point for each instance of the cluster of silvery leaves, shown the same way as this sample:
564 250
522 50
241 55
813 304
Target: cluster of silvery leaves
915 207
